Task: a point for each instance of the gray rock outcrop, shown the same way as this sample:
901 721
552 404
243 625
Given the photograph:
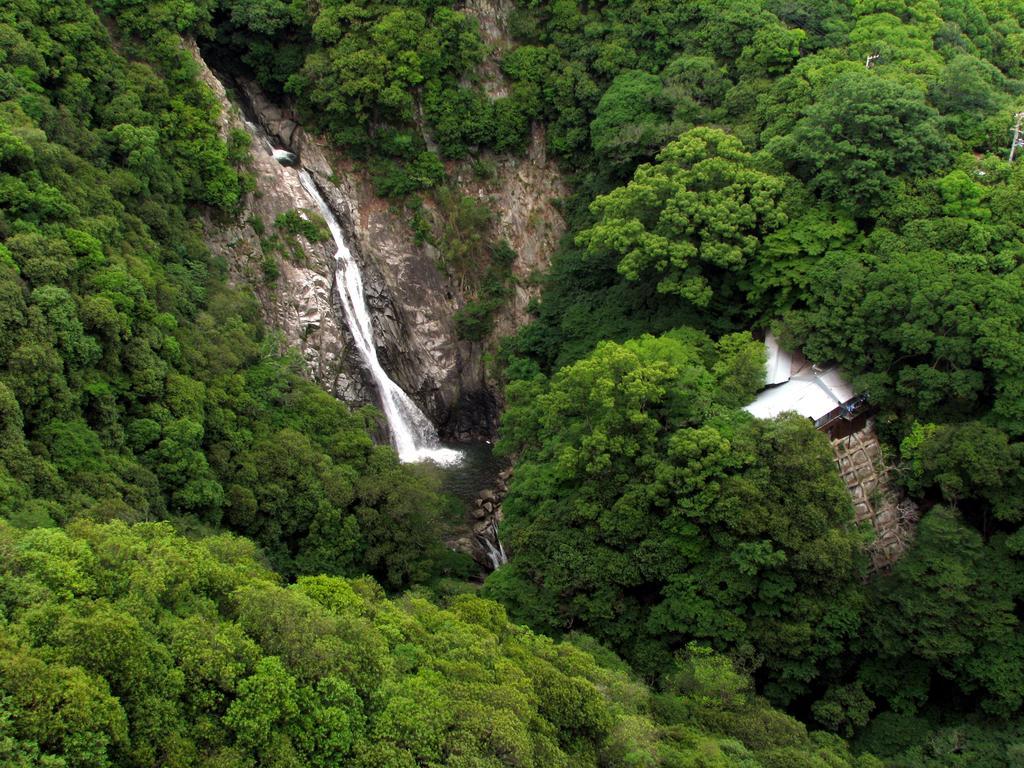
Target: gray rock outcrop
481 539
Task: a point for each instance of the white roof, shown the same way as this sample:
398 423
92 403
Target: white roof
836 384
779 361
793 384
809 397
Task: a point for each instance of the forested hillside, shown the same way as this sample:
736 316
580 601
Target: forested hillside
136 385
838 172
205 560
133 646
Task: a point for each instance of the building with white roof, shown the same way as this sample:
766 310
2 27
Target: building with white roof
792 383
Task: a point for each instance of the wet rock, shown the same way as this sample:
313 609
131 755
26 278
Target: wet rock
284 157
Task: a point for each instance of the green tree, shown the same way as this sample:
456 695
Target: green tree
189 651
632 120
860 133
967 463
931 333
694 219
647 513
949 609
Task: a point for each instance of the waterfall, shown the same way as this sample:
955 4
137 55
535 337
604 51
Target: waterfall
493 549
414 436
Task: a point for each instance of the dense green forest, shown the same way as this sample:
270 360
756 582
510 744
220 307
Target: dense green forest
134 646
136 385
687 586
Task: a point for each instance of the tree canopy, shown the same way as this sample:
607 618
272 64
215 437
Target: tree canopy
693 217
132 646
648 512
836 171
134 384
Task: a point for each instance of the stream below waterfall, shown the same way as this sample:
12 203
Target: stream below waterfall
478 470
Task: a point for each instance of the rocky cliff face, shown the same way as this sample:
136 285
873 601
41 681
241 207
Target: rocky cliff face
412 301
300 301
525 188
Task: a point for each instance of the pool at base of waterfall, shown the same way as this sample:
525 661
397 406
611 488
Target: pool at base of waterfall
476 470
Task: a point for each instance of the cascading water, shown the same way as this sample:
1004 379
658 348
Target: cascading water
493 549
414 436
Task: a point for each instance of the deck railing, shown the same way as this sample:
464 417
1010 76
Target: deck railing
848 411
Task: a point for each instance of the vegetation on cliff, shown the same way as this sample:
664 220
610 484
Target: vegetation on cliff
134 384
837 171
647 511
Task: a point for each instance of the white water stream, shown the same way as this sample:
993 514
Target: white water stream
493 549
414 436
